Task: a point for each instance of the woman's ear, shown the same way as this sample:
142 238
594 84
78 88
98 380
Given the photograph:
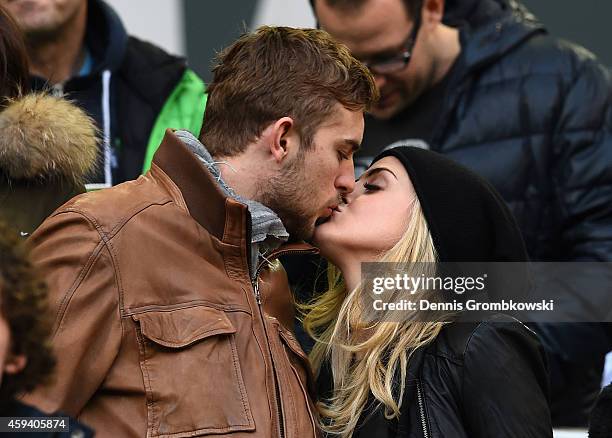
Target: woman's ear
15 363
282 138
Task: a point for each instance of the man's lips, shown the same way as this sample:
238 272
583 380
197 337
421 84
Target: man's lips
329 214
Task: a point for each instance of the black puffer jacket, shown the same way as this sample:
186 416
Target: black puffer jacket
533 115
477 380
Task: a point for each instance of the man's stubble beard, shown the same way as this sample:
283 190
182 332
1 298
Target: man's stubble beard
287 195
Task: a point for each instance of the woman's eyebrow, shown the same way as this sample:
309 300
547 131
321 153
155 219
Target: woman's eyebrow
374 171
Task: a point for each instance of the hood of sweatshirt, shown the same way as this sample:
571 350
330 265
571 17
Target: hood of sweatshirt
106 37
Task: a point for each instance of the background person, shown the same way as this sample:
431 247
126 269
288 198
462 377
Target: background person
423 377
47 145
482 82
25 355
13 60
132 89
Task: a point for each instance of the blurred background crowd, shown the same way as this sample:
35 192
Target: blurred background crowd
189 28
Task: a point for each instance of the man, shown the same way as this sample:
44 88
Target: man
133 89
173 316
482 82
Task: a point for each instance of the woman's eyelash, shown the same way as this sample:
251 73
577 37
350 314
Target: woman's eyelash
370 187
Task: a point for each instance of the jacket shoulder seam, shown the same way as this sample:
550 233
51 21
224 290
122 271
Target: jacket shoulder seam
107 236
84 271
104 242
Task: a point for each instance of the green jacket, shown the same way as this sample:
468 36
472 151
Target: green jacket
184 109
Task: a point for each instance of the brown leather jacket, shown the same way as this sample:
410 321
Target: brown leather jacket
159 331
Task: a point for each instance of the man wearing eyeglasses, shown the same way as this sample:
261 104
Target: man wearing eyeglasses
482 82
412 60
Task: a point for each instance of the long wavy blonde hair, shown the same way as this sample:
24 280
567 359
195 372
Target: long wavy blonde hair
334 320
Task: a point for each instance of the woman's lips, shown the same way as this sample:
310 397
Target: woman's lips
334 212
330 213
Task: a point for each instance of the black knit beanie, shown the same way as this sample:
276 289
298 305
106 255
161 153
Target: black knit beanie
467 218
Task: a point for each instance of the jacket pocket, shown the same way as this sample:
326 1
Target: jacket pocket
191 372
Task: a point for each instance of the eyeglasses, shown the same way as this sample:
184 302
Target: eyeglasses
395 63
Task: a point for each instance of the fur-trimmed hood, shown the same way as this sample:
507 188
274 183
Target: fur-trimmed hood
43 136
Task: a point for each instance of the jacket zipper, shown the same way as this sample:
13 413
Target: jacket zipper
274 256
281 427
422 410
255 284
257 293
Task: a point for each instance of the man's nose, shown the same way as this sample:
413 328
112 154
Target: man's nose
345 182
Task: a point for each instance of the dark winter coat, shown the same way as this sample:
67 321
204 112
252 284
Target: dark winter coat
533 115
477 379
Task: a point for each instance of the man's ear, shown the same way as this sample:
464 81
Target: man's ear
282 138
15 363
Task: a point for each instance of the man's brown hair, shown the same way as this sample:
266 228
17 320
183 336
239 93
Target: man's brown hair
277 72
23 299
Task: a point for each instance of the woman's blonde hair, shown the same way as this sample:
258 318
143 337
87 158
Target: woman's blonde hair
335 320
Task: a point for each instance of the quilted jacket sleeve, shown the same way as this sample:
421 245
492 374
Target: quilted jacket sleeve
582 143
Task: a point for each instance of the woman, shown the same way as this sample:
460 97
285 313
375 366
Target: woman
422 379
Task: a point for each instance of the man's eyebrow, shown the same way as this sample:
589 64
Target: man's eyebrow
374 171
